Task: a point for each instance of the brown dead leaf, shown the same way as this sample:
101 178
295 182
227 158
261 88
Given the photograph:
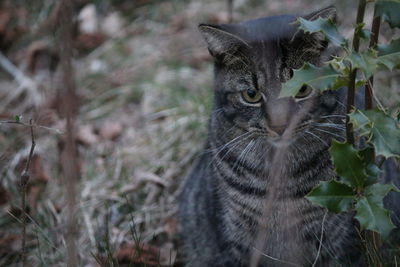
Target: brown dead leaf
86 135
145 254
219 18
86 42
40 56
110 130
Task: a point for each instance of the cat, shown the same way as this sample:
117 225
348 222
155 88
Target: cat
235 203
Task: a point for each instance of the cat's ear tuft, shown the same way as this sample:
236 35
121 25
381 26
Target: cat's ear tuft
325 13
219 40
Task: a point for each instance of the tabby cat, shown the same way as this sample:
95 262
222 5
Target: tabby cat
227 213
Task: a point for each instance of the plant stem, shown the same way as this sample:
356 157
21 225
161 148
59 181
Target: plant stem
353 73
24 182
70 160
376 24
369 94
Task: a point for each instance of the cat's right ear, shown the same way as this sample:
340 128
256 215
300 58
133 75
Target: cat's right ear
220 41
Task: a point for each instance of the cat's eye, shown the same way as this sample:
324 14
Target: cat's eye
251 96
304 92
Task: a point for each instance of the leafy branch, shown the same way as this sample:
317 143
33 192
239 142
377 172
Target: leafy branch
356 187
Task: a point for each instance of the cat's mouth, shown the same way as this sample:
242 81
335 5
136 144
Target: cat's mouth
277 130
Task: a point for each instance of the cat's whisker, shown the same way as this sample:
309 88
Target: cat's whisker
329 133
340 103
317 137
334 116
332 125
242 156
228 143
234 145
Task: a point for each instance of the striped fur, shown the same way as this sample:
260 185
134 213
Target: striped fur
224 198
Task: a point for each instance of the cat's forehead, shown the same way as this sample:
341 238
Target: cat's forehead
268 29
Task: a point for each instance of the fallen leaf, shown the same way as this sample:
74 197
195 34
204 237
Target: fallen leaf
145 254
86 135
40 56
110 130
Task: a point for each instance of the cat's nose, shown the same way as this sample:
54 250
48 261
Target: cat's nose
279 112
279 129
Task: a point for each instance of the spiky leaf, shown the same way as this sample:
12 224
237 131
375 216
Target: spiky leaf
389 10
379 191
389 55
372 216
323 78
350 164
364 61
334 196
325 26
382 131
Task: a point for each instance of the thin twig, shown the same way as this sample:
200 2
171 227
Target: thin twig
276 178
376 24
70 162
23 183
353 73
369 95
57 131
320 239
275 259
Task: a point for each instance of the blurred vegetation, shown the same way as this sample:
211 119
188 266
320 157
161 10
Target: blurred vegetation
144 83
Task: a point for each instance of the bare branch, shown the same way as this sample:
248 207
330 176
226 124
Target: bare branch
23 183
352 77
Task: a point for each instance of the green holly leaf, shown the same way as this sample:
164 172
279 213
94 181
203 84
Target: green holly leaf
389 55
389 10
364 61
350 164
379 191
323 78
372 216
325 26
334 196
382 131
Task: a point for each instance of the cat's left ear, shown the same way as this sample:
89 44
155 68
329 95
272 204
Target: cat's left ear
222 40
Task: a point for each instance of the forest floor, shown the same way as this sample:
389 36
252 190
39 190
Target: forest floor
144 80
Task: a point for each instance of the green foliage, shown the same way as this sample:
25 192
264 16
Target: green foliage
364 61
373 216
356 187
325 26
381 130
389 10
333 195
352 168
318 78
389 55
18 118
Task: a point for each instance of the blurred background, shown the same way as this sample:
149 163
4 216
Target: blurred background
143 79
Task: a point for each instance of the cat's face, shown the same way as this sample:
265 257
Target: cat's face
252 61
